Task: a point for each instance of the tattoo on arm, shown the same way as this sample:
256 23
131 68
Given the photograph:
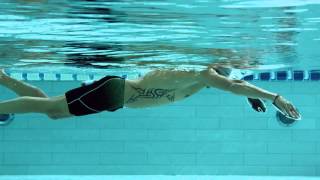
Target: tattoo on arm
152 93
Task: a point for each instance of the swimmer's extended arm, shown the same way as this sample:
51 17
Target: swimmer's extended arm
240 87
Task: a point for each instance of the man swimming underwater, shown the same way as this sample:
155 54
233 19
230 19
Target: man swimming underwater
158 87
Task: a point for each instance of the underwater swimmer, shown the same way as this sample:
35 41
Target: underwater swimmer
158 87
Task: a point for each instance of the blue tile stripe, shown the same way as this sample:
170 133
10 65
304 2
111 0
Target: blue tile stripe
315 75
59 76
295 75
285 75
298 75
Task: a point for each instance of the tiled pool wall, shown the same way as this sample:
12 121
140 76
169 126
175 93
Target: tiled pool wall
210 133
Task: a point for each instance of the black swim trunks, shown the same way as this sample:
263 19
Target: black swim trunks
104 94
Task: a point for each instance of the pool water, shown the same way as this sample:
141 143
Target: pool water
135 35
56 45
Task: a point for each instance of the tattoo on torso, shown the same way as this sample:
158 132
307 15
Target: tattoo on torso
151 93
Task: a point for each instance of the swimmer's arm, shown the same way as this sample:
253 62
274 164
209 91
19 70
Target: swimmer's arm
240 87
244 88
212 78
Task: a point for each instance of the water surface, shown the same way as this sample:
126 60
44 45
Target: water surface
123 34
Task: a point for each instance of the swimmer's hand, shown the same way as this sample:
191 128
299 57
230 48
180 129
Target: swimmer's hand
286 108
257 104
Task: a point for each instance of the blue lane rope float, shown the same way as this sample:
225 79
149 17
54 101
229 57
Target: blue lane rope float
6 119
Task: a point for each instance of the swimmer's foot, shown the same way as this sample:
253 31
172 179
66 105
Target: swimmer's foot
257 104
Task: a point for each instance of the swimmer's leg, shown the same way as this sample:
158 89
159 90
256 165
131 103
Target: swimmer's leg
19 87
32 100
25 104
54 107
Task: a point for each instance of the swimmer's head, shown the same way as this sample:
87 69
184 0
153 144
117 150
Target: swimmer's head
223 71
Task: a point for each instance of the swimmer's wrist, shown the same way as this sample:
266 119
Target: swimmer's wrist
271 96
277 96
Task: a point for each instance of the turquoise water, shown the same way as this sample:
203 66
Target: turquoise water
213 132
150 34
